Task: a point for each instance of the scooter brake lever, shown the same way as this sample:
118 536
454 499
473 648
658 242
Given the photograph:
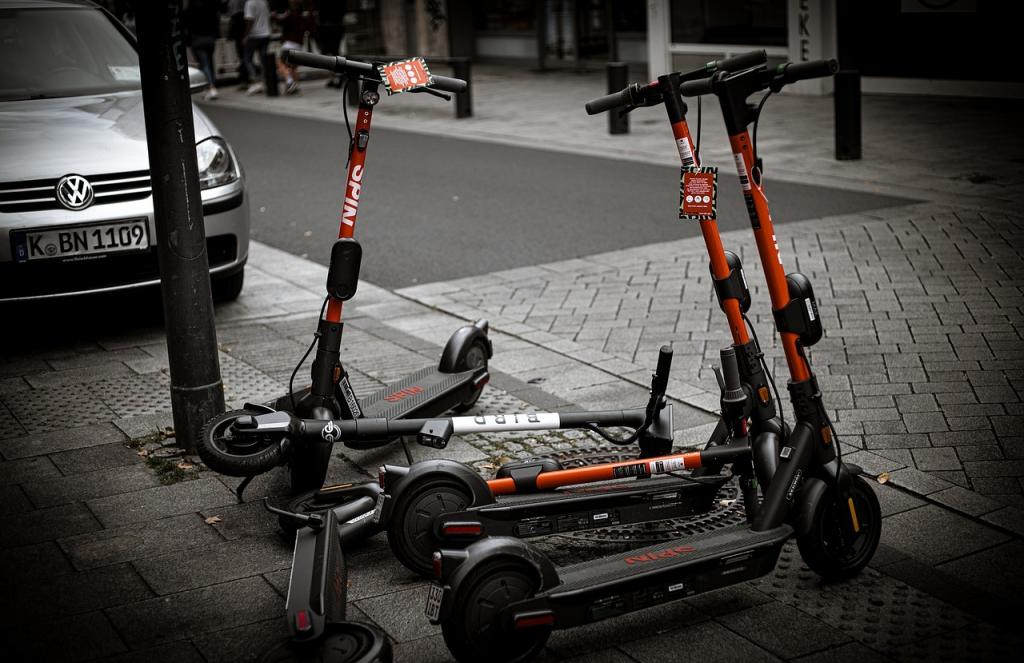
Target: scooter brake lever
427 90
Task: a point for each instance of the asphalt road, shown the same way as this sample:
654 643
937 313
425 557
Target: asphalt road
435 208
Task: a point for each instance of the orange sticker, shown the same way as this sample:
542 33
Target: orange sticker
698 193
405 75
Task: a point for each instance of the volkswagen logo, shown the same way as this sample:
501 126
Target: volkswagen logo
74 192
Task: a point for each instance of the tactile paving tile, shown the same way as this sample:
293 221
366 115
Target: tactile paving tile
243 381
873 608
40 410
9 426
135 395
977 642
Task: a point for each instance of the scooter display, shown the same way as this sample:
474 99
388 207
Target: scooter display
455 383
499 598
443 503
316 602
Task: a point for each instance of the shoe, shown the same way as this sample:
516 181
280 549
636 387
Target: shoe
255 88
292 88
211 94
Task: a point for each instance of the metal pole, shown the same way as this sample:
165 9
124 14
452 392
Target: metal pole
541 19
847 120
464 101
618 75
270 74
609 19
197 393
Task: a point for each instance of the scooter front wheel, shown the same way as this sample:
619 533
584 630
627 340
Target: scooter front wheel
411 527
474 630
475 357
227 452
344 642
827 548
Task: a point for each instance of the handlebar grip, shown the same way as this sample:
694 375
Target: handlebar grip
660 381
741 61
609 101
696 88
326 62
799 71
730 369
446 84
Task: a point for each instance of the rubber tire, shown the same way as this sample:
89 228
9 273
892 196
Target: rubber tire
344 642
470 630
475 357
227 288
307 466
235 464
412 519
818 548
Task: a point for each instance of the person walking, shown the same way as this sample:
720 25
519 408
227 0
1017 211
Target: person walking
257 36
295 22
202 21
236 33
330 30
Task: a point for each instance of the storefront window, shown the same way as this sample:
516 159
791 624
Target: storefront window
743 22
504 15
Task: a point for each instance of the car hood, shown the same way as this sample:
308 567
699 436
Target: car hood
90 135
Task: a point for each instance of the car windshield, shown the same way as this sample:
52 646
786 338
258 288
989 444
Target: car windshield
63 53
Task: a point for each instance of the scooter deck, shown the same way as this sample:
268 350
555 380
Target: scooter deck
594 506
666 571
426 392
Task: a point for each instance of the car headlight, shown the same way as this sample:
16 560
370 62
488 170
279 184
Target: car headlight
216 167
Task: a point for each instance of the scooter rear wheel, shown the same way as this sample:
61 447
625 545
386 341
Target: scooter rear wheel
235 455
474 630
344 642
827 550
411 530
475 357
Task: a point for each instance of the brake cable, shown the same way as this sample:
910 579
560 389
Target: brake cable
316 337
757 120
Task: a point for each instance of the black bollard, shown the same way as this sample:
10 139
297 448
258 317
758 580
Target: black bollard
618 72
847 102
270 74
464 100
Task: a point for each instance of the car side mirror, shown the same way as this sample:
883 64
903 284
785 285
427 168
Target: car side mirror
197 81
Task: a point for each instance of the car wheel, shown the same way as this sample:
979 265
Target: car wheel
227 288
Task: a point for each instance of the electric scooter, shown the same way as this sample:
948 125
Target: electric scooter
446 504
444 485
500 598
455 383
317 590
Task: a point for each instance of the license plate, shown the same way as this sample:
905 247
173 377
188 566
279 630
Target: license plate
82 240
434 597
379 508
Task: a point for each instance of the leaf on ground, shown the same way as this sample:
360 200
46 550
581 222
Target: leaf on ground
883 477
142 453
185 466
212 520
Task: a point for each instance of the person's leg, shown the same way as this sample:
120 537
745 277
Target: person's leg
259 46
205 57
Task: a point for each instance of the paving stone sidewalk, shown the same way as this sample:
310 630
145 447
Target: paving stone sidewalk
108 553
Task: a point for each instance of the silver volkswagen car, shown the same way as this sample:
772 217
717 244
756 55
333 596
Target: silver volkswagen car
76 211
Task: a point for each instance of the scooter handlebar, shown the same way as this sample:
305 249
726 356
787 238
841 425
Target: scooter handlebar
799 71
741 61
614 100
333 63
448 84
696 88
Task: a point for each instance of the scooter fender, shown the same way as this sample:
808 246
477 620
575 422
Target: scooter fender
460 564
398 482
454 354
811 494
